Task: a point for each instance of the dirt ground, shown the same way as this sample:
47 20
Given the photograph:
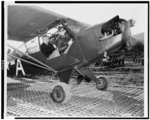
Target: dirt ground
124 97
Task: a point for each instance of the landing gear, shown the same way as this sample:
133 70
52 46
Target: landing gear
101 83
61 93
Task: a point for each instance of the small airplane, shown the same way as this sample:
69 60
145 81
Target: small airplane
62 45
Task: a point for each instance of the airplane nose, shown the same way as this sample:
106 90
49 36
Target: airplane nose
126 35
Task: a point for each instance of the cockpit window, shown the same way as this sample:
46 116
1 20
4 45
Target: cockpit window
55 42
33 45
52 31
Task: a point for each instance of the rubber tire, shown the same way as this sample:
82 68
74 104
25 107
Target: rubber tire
61 93
102 83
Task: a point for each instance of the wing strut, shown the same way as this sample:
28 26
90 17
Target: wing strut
51 69
29 62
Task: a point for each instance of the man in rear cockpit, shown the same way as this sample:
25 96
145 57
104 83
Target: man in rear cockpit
48 49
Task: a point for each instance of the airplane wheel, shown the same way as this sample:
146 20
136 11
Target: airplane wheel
61 93
101 83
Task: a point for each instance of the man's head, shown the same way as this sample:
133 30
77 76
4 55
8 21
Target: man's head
45 39
105 54
62 32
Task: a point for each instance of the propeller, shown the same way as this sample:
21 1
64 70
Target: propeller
126 35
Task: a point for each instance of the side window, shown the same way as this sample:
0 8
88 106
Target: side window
33 45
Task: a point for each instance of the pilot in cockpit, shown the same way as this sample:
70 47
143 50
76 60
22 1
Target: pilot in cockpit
48 48
63 41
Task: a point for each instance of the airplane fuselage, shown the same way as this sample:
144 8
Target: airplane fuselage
88 43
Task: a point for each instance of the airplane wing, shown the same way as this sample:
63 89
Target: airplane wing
26 22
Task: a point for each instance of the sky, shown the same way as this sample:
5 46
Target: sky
97 13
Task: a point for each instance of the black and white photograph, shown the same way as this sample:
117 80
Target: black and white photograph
75 59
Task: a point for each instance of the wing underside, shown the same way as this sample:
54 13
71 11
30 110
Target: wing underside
26 22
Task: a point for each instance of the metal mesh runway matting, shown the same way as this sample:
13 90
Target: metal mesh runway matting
31 98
